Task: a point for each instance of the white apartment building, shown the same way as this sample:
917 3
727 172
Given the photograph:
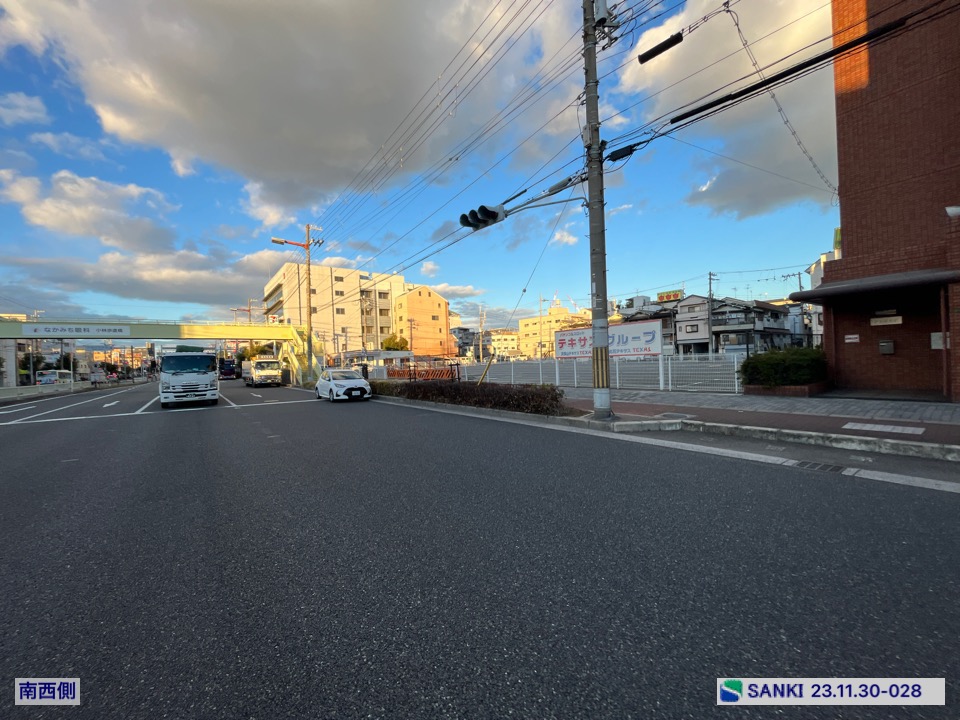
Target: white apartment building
351 309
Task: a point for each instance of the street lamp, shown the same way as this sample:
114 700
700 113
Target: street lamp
306 248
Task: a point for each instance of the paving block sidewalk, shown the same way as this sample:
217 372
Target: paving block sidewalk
894 421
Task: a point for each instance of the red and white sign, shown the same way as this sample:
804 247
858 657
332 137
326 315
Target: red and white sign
635 339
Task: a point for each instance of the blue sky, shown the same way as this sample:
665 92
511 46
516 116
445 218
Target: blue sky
150 150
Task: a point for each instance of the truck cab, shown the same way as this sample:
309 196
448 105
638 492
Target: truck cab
187 377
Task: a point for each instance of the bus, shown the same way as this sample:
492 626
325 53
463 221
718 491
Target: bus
54 377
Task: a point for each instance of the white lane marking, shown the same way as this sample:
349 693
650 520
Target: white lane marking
884 428
255 395
941 485
19 409
152 401
232 403
111 404
28 421
66 407
861 458
71 460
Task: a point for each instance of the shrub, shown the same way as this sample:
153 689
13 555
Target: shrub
537 399
793 366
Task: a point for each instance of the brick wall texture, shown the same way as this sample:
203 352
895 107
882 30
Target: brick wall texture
898 142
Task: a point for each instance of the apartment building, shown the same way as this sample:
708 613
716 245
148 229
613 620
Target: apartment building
351 309
504 342
423 318
535 336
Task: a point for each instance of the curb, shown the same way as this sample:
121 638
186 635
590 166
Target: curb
907 448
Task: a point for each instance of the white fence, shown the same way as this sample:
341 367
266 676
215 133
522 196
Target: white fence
691 373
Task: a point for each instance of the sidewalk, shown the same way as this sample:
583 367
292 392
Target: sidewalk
904 427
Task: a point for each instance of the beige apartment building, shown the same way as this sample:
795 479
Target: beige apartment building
536 333
351 309
423 318
504 342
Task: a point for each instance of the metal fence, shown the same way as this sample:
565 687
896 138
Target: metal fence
690 373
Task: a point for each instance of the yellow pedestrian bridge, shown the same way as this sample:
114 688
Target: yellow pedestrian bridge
145 330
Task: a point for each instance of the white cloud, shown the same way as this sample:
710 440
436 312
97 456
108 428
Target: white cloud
620 209
295 101
17 108
751 132
90 207
563 237
182 165
339 262
69 145
182 276
270 215
457 291
429 269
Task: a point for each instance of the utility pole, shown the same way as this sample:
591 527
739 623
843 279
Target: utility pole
798 276
412 325
540 327
598 241
33 377
483 317
712 276
306 250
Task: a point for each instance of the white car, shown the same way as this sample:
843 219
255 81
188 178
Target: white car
336 384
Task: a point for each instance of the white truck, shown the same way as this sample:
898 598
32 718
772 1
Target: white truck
261 370
189 377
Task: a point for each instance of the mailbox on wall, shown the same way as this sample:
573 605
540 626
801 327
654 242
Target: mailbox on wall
886 347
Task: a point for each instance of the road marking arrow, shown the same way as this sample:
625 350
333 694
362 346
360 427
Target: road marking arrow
113 403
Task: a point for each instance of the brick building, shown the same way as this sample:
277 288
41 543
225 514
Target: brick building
893 296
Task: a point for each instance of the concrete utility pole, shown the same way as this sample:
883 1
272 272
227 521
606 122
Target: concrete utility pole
712 276
306 249
598 241
309 242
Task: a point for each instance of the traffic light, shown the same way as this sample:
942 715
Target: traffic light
483 216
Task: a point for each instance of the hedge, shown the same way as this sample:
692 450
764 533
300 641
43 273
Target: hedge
536 399
792 366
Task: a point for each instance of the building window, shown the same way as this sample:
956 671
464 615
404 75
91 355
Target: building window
343 330
338 278
400 319
341 311
366 294
435 318
384 330
691 328
419 294
338 293
384 313
313 291
383 295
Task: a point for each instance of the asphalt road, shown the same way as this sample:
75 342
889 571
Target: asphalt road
276 556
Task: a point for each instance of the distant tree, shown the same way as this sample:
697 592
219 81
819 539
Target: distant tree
394 342
245 353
